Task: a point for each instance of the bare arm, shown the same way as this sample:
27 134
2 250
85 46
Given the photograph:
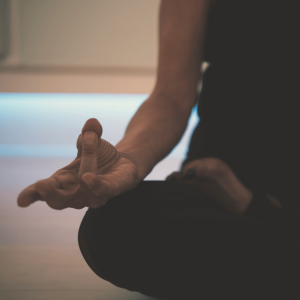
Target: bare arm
161 120
102 171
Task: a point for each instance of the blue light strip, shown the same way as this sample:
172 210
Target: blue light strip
47 125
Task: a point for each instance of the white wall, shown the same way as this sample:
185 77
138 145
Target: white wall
99 46
101 33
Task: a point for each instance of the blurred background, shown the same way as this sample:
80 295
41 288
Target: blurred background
92 46
62 62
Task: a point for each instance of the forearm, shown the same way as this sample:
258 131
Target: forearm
153 132
161 120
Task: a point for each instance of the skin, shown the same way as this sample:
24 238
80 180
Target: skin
98 173
101 171
215 178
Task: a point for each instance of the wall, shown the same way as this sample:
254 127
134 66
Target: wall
55 44
4 7
119 33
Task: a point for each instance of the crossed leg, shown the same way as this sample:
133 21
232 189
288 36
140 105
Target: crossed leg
164 240
84 249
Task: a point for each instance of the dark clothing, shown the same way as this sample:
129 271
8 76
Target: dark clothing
165 240
261 167
263 32
248 105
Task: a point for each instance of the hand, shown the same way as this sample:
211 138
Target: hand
98 173
214 178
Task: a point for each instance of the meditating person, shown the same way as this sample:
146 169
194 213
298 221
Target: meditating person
227 223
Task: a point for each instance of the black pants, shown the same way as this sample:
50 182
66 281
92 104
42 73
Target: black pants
165 240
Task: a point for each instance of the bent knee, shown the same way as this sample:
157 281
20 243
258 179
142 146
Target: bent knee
84 249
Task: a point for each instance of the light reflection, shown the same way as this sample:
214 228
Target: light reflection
47 125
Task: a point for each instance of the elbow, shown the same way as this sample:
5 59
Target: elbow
175 103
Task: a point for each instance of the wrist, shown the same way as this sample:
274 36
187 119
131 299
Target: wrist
142 170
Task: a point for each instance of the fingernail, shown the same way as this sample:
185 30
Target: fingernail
90 137
190 174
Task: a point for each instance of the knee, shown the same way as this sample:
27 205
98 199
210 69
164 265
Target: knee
85 249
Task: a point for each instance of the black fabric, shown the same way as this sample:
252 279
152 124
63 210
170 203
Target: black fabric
261 209
285 222
261 167
257 33
248 104
165 240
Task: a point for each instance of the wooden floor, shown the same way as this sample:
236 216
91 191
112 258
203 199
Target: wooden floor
39 254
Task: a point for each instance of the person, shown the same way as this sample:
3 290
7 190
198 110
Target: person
226 224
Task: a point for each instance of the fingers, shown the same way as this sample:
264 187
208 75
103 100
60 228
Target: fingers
99 188
89 158
49 191
45 190
193 169
92 125
90 139
200 169
179 176
175 176
28 196
205 167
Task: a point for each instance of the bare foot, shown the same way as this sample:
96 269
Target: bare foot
215 178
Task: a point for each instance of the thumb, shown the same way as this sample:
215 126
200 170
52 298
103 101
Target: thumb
91 133
99 188
89 158
90 125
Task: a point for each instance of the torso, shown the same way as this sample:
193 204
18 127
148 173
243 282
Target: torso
250 90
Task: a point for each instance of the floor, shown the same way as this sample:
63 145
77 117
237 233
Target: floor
39 254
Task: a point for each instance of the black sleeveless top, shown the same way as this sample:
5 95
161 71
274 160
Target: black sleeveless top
250 90
253 48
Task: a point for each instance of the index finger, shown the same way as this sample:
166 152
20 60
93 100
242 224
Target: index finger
28 196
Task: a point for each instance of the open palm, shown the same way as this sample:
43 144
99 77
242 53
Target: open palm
98 173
